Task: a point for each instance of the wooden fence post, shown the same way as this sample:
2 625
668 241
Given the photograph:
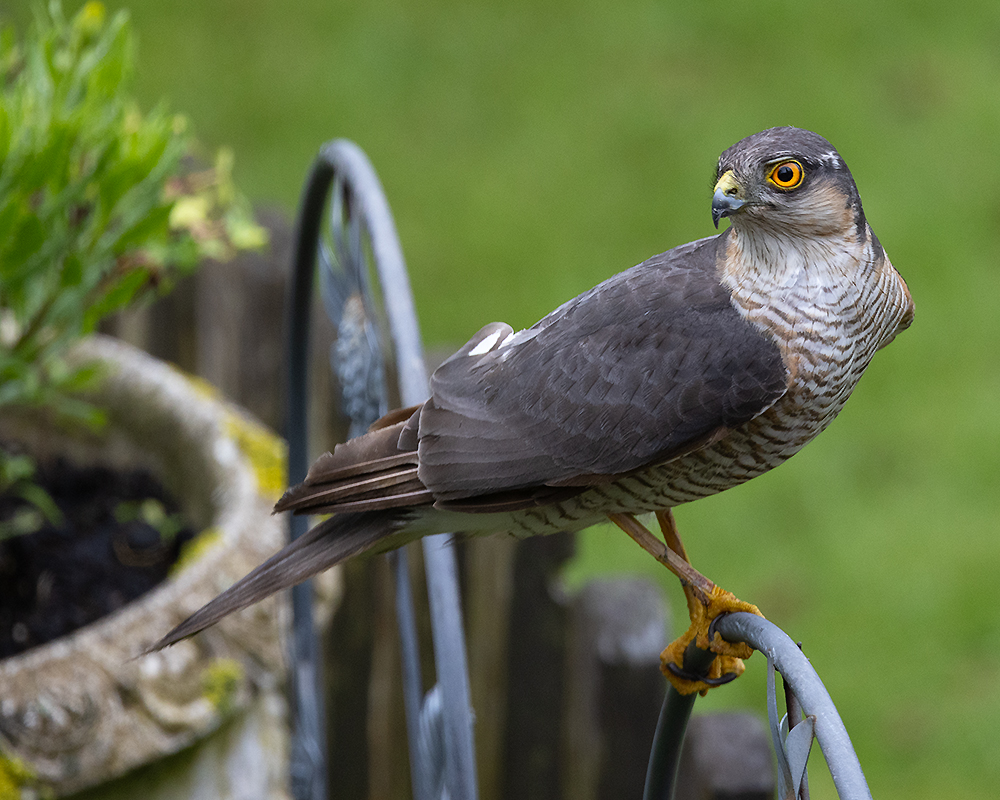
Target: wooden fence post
726 757
536 666
615 687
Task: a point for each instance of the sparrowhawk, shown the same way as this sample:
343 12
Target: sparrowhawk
681 377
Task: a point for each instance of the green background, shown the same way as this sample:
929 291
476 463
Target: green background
531 149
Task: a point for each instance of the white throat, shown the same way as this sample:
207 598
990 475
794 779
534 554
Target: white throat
782 258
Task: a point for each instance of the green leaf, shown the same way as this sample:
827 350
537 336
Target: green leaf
23 522
13 469
87 186
72 271
26 236
155 224
40 499
73 410
117 296
5 133
84 377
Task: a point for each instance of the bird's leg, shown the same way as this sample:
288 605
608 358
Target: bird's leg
705 600
676 562
668 526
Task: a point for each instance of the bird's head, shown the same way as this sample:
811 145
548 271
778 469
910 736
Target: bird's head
788 181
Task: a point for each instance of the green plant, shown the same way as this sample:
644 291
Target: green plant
99 207
17 472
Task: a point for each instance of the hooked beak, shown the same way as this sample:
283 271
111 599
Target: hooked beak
728 197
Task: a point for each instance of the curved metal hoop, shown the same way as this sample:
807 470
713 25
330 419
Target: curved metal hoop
786 657
439 727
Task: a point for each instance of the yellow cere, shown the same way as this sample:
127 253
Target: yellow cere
728 184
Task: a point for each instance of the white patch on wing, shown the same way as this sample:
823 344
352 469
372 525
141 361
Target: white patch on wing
486 344
520 337
506 348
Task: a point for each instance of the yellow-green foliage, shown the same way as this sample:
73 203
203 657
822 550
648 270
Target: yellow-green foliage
98 208
84 228
220 683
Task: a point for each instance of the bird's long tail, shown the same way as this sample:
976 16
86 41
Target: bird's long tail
328 543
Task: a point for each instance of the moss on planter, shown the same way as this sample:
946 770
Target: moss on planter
14 775
266 453
220 682
191 551
180 701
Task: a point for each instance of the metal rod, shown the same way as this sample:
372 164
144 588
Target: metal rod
406 620
794 710
795 668
308 762
452 669
668 740
439 558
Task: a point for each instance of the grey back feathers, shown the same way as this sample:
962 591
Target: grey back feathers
643 367
625 375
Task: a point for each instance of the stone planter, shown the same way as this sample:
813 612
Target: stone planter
205 718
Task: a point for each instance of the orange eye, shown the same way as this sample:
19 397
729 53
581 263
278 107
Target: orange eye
787 174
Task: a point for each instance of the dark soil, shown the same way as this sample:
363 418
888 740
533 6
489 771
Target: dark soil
102 555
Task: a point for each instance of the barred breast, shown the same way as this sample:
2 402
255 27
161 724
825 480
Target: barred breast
829 314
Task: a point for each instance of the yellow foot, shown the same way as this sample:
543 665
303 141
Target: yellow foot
705 600
728 663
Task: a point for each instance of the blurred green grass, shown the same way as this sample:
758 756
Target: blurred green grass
531 149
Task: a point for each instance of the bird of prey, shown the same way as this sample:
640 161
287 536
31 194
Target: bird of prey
681 377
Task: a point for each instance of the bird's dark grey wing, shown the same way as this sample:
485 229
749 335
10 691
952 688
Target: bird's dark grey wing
643 366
